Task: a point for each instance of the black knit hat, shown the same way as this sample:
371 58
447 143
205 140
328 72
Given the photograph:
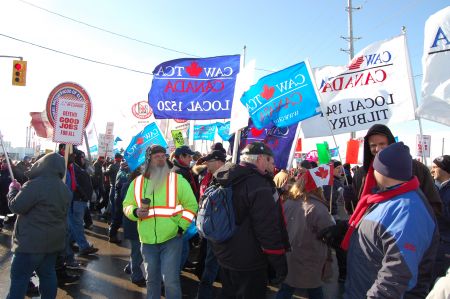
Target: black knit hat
443 162
377 129
336 163
394 162
218 146
306 164
216 155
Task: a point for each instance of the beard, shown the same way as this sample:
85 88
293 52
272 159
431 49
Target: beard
158 176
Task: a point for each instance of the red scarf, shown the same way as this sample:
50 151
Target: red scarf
368 198
205 182
73 183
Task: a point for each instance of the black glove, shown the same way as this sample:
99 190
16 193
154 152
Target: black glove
350 199
279 265
333 235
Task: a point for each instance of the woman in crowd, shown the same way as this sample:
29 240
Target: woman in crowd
283 182
306 216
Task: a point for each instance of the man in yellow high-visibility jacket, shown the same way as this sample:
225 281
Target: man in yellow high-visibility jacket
163 204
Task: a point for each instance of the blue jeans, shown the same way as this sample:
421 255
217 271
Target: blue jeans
184 251
205 288
22 267
286 292
112 195
69 256
163 260
136 260
76 227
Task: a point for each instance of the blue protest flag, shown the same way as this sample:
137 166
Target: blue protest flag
204 132
135 152
283 98
223 129
278 139
194 88
118 139
334 152
93 149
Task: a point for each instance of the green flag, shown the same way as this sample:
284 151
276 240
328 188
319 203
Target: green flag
177 138
323 152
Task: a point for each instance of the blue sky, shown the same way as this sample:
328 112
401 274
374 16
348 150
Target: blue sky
276 34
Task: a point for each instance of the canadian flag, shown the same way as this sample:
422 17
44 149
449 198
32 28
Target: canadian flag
319 176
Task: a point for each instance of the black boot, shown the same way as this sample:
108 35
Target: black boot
63 277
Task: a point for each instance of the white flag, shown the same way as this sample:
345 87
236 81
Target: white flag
376 87
91 134
239 113
435 103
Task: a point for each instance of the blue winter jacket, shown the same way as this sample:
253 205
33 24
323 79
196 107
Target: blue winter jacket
392 251
444 218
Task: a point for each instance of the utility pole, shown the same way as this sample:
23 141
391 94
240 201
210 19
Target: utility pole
350 39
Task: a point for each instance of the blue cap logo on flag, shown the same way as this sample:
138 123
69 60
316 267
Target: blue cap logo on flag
279 140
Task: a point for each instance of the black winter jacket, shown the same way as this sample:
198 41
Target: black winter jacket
261 234
84 185
187 173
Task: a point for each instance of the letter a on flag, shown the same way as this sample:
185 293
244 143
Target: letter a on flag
435 104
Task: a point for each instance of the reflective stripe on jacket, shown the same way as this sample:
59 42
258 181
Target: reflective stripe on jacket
172 205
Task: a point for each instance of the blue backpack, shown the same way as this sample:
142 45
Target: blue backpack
215 217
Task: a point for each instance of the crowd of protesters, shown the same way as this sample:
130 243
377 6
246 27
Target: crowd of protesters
386 222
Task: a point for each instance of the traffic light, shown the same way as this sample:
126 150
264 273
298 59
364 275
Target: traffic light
19 72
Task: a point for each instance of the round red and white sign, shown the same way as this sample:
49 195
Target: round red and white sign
68 91
141 110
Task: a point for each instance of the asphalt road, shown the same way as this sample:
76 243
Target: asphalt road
102 274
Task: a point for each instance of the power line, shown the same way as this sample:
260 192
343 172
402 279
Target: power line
121 35
76 56
109 31
104 63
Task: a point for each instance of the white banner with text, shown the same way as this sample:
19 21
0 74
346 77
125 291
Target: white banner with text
376 87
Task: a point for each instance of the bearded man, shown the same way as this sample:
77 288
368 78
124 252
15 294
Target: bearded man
163 204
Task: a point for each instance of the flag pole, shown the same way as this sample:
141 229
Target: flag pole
67 151
331 197
413 93
292 151
191 133
237 135
321 108
87 146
